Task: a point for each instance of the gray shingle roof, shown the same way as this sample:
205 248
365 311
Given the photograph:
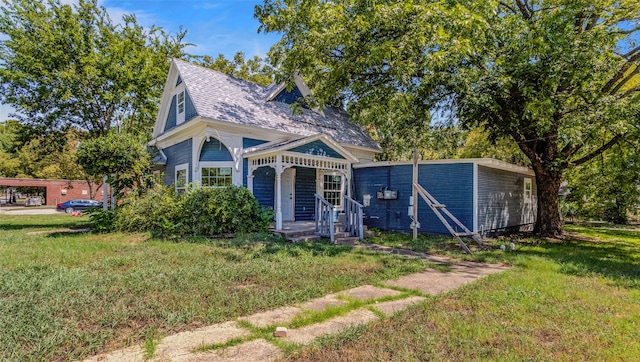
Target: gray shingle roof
225 98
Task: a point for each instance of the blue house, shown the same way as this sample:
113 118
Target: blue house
214 130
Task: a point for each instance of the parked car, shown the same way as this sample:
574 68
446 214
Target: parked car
77 205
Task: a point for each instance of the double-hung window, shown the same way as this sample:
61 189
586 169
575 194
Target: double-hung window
332 189
528 190
180 100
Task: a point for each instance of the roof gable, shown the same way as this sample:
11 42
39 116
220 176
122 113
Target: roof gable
220 97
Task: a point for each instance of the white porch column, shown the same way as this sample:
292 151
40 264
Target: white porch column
279 170
348 180
250 180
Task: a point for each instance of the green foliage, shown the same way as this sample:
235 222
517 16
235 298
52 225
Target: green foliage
25 153
102 220
214 211
607 188
120 156
71 65
553 76
477 144
199 212
159 210
255 70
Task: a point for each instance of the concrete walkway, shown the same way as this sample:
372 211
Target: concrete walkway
238 343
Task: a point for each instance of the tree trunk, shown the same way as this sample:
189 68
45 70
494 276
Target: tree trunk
548 223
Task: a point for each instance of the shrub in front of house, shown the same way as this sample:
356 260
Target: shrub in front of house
227 210
157 210
198 212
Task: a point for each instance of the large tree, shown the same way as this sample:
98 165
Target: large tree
71 65
552 75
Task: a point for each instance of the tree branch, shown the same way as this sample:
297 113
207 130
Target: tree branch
524 10
613 141
508 7
624 81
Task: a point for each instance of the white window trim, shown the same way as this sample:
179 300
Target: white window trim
320 185
528 181
215 164
180 116
185 167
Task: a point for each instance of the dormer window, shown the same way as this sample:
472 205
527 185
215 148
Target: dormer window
180 108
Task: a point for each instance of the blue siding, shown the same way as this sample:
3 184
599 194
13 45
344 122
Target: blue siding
305 190
264 186
171 117
450 184
369 181
179 80
290 97
214 150
177 154
317 148
190 109
246 143
190 112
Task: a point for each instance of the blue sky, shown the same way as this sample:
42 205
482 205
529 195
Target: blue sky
214 26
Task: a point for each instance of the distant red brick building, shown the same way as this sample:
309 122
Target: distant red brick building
57 191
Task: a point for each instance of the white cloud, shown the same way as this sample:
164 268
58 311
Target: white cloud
207 6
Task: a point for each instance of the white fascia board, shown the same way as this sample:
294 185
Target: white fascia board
199 125
360 148
487 162
165 103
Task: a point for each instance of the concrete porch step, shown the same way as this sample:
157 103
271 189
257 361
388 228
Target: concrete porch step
305 231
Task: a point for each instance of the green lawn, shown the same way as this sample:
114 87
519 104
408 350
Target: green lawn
67 296
577 300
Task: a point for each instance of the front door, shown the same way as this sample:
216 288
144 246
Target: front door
288 194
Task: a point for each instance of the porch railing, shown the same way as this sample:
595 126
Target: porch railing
324 218
353 217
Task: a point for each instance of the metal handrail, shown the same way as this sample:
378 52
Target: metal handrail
353 217
324 218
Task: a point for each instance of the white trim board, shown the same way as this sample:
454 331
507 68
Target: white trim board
486 162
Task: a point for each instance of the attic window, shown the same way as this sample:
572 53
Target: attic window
180 108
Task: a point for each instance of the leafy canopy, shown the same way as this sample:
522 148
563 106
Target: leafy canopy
71 65
554 76
121 156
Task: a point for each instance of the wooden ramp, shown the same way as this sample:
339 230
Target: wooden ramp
440 209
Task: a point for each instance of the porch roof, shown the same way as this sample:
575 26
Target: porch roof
283 146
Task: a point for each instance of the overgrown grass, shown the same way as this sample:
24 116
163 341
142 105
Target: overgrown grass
68 296
562 301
